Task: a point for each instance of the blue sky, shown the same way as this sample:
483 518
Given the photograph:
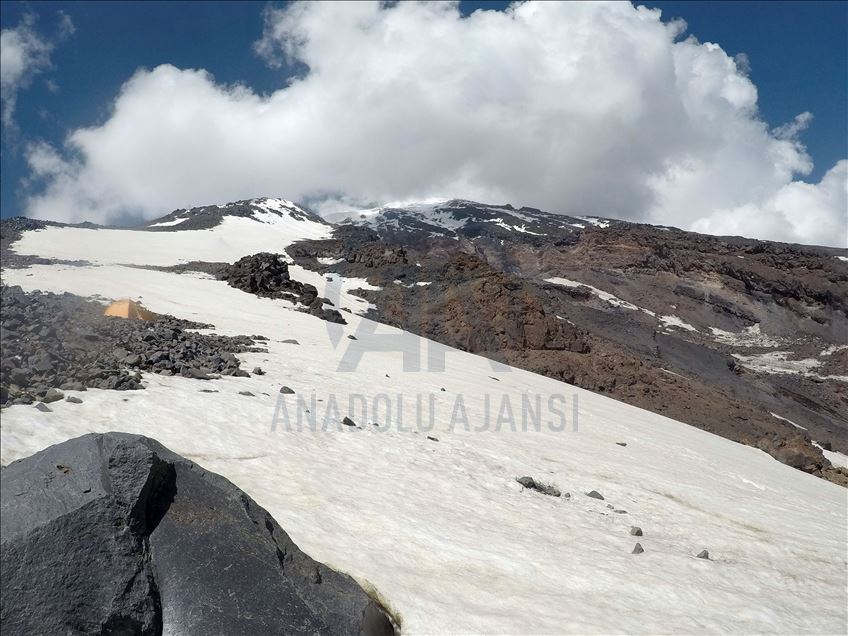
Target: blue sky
797 51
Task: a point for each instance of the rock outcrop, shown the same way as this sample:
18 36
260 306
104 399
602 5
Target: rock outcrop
267 275
115 534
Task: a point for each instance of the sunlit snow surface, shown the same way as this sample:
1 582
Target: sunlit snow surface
169 223
442 529
266 231
670 321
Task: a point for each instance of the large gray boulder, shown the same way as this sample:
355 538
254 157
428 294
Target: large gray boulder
116 534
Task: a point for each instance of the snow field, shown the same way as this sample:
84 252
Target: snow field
442 529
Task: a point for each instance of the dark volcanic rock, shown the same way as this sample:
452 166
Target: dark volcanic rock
115 534
267 275
532 484
53 395
795 451
594 494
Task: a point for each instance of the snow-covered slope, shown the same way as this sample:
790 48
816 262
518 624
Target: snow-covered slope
440 528
271 225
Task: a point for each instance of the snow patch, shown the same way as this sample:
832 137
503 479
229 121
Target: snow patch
777 362
613 300
835 458
168 223
748 337
833 349
601 223
780 417
276 205
676 321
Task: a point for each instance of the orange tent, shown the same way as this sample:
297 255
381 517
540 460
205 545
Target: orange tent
127 308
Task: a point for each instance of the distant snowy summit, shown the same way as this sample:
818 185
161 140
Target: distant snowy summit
462 217
264 210
446 219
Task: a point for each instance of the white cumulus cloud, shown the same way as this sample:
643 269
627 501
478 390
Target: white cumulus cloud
580 108
24 53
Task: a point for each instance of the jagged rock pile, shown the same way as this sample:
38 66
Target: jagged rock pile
116 534
18 224
64 341
380 255
267 275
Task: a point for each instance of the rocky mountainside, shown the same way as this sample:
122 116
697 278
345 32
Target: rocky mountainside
743 338
747 339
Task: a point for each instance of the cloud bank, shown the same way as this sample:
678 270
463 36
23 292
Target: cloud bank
24 53
579 108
